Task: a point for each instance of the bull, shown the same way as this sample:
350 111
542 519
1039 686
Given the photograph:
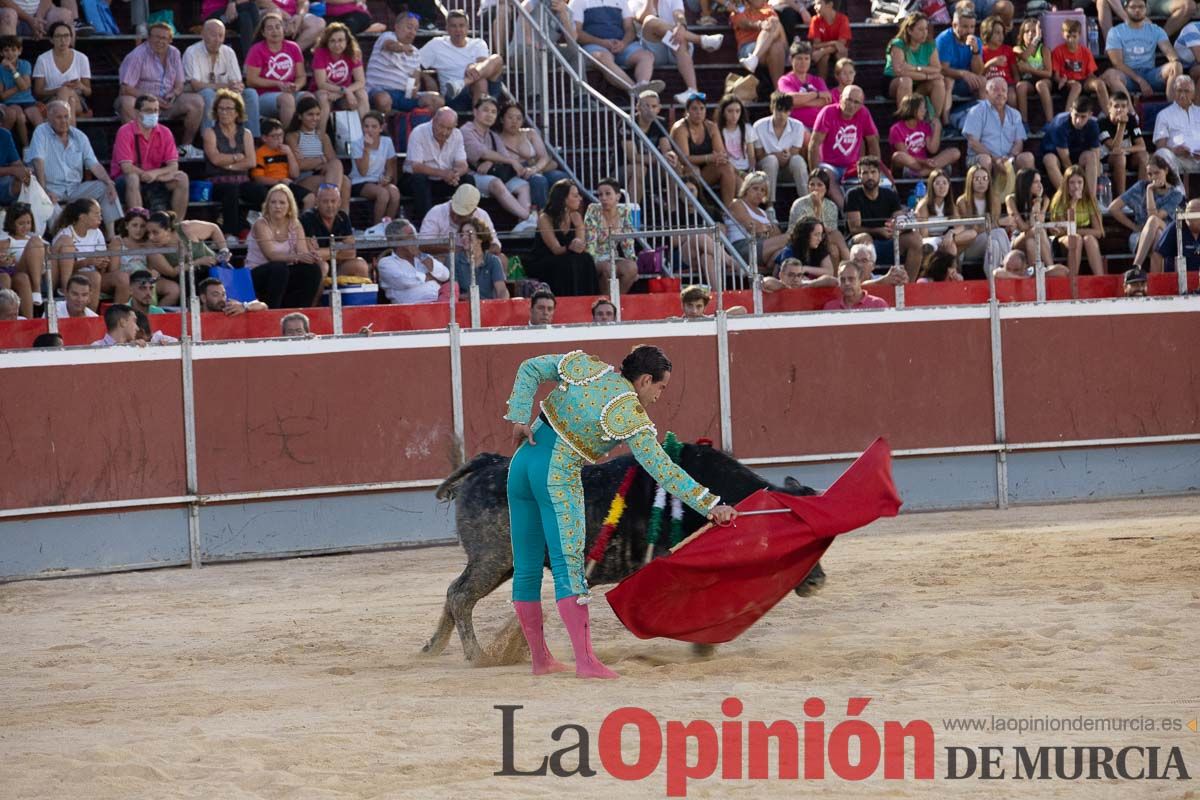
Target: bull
479 490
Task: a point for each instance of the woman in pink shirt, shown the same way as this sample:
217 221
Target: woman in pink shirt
916 141
299 25
338 77
275 67
809 93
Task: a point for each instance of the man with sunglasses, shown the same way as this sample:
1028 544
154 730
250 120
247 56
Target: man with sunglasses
141 292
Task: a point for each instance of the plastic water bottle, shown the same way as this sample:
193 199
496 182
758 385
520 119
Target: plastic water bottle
1104 193
1093 35
915 195
635 216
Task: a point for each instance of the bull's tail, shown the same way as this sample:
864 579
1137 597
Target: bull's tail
447 488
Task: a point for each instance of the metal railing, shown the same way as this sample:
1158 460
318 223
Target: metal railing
902 225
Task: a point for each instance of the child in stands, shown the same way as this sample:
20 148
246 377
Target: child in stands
1074 68
1034 72
829 35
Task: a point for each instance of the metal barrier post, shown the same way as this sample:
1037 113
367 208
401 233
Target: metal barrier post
335 292
917 224
51 303
998 404
723 381
614 285
758 295
1039 267
187 341
896 260
456 389
1180 259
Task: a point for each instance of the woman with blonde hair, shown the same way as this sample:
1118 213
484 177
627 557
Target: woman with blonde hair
1075 206
978 200
282 260
748 223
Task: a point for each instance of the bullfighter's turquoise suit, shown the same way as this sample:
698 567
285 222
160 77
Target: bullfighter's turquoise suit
592 410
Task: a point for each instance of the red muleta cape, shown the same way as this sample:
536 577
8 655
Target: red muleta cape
719 583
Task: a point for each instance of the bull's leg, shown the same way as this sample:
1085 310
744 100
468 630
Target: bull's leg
476 583
813 581
437 642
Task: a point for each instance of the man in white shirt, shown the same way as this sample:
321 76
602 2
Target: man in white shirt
464 64
1177 127
394 78
79 296
446 219
782 139
437 161
210 64
409 276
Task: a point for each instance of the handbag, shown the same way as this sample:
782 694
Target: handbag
40 204
237 281
501 171
347 128
743 87
650 262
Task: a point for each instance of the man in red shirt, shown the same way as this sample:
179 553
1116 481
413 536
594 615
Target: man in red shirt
146 162
854 296
829 35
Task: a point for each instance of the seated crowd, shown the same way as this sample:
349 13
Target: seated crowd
304 121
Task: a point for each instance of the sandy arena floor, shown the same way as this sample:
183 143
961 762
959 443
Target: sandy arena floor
302 679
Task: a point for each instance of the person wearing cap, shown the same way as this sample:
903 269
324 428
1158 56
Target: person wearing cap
436 163
446 219
1134 283
407 275
141 292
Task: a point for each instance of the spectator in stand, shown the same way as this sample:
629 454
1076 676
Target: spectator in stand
996 137
1073 67
1133 283
62 72
541 307
26 252
748 224
141 292
647 118
522 142
817 204
465 67
914 66
275 69
1028 206
1121 141
600 222
229 149
978 200
155 68
1187 47
999 59
145 163
437 161
21 111
854 296
808 244
201 240
760 38
694 300
474 256
373 168
961 55
1032 68
48 339
844 74
1149 207
939 206
1178 12
737 134
14 175
664 33
843 135
298 24
794 16
829 36
120 323
781 140
325 223
495 172
809 93
295 326
407 275
209 66
60 154
74 235
917 143
791 276
939 266
338 78
1177 127
1166 251
1075 205
603 311
214 300
32 18
560 257
10 306
699 142
78 302
243 13
354 15
394 78
447 219
604 28
275 163
872 209
1131 48
319 162
283 260
1072 137
131 235
1016 265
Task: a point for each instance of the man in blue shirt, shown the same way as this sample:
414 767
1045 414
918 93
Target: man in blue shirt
961 54
13 174
1072 137
1165 253
995 133
1131 47
61 155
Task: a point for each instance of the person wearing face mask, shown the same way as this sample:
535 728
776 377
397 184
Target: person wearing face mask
145 163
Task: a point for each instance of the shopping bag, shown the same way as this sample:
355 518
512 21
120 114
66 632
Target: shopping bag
402 124
40 203
347 128
237 281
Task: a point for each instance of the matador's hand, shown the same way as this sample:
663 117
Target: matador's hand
521 432
723 515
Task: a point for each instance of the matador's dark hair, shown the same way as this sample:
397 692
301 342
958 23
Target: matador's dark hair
645 359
